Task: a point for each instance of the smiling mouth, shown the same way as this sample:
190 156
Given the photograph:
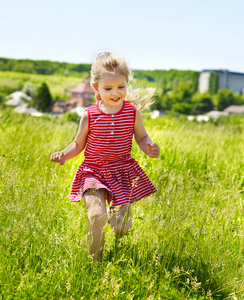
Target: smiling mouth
115 100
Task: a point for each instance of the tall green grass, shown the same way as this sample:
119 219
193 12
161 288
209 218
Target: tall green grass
187 239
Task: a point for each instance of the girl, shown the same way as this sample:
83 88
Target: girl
108 170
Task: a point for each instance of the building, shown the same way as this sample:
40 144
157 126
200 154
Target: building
214 114
219 79
235 109
82 94
17 98
60 107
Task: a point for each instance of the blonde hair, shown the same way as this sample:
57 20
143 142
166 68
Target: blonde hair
109 63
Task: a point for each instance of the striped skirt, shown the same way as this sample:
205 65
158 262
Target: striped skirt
125 184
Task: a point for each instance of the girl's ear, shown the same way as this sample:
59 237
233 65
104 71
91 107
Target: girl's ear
98 97
95 87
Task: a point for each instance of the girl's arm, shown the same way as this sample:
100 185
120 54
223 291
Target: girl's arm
77 146
142 138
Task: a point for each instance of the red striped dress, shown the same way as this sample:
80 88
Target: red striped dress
108 163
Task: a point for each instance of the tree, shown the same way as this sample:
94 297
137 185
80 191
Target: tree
28 89
166 102
162 102
157 103
181 98
182 108
213 83
202 103
183 92
195 81
239 99
224 98
43 98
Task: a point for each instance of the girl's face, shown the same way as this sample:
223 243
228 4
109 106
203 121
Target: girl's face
112 89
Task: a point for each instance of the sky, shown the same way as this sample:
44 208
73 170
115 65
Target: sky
163 34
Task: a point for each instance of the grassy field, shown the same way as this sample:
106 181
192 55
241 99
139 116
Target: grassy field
59 85
187 239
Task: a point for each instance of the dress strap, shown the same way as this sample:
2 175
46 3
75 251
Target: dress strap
88 115
134 108
90 111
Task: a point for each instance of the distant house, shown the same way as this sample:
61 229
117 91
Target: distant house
235 109
221 79
214 114
17 98
59 107
25 109
82 94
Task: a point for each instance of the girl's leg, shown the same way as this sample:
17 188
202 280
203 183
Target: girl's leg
97 216
121 219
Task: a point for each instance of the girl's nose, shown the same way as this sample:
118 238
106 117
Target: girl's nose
115 92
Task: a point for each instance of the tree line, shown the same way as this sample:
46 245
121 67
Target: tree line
184 99
43 67
177 90
46 67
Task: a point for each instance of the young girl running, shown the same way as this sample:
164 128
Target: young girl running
108 170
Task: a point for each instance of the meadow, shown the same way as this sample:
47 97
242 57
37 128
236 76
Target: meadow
59 85
187 239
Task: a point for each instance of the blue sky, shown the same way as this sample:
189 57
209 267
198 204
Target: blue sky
163 34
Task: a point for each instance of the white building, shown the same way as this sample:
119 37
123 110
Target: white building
17 98
226 79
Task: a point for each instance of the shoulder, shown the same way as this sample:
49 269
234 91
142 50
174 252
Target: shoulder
139 124
138 116
139 128
83 127
85 116
84 119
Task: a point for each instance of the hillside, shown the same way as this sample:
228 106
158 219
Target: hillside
43 67
61 76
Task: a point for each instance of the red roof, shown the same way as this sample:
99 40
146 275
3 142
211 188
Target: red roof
83 87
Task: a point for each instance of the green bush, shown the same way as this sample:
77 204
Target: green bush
72 117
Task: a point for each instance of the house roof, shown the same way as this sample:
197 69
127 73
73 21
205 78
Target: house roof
17 98
25 109
15 102
235 109
222 71
214 114
19 94
83 87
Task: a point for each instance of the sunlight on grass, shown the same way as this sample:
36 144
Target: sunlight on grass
186 241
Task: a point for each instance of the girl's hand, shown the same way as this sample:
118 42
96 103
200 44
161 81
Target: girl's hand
58 157
153 150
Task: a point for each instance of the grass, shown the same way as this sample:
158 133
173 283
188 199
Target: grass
187 239
59 85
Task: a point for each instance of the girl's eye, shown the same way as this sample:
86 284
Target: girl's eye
109 89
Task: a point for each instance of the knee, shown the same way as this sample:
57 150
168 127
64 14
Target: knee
97 219
122 229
